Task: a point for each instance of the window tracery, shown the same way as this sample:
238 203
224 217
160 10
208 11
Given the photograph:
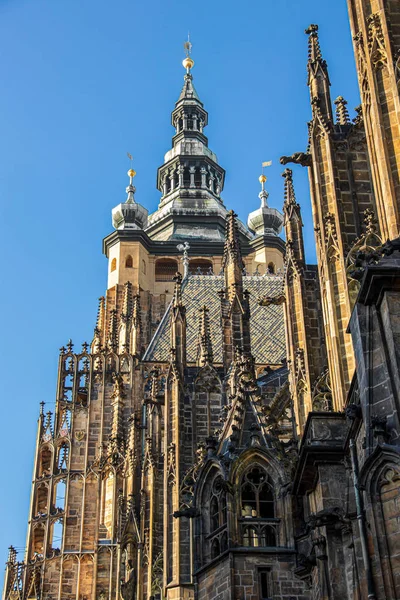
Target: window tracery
215 525
258 521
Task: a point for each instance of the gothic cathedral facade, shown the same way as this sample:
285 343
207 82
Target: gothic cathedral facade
232 430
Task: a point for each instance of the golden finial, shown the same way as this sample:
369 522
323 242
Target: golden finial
131 172
188 62
262 178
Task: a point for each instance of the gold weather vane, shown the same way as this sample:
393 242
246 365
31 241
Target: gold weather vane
188 62
263 178
188 46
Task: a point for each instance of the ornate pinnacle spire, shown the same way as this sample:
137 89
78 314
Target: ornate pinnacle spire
314 50
136 317
232 262
177 299
289 195
205 347
318 78
112 332
101 315
342 114
232 249
97 341
12 555
292 222
127 302
136 327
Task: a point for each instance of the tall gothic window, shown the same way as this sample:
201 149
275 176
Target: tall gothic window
258 522
113 264
215 525
129 262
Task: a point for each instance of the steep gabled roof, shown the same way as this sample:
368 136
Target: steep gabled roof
266 322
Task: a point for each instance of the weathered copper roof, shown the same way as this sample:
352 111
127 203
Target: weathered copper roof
266 322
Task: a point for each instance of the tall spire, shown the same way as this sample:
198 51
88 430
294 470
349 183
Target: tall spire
125 320
292 219
127 302
190 169
318 78
97 341
136 331
112 331
232 262
178 325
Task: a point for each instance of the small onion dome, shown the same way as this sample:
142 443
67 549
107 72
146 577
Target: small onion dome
265 220
130 214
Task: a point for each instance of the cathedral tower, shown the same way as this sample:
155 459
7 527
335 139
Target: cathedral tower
375 26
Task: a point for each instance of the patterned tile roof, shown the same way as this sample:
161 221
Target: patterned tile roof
266 322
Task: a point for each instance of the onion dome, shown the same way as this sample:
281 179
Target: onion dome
265 220
130 214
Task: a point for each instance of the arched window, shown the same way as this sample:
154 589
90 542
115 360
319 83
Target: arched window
62 457
197 178
46 456
200 266
186 177
143 266
166 269
113 265
257 495
215 548
271 268
215 518
129 262
217 505
258 521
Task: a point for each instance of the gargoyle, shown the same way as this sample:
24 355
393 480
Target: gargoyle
272 300
298 158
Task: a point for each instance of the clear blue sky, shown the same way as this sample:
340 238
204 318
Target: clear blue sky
82 83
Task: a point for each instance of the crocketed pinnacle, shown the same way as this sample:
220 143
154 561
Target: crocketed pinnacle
101 315
342 114
232 251
289 195
205 346
136 318
292 221
314 50
177 299
127 302
112 332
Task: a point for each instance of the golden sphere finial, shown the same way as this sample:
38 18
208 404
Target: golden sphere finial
262 178
188 62
131 173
